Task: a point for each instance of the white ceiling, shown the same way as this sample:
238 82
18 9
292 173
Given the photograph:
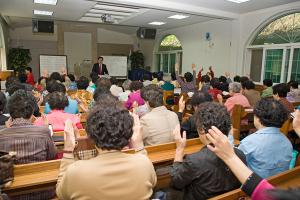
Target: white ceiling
134 13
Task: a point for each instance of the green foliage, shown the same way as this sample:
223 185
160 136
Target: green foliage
18 57
137 59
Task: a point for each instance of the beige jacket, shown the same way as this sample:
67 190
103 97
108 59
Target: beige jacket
158 126
253 96
110 176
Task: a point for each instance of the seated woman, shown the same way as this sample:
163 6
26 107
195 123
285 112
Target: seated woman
189 125
189 82
123 96
250 93
214 88
57 117
110 174
280 92
235 97
203 175
32 143
268 90
55 86
135 95
72 83
82 95
268 151
114 88
158 124
252 184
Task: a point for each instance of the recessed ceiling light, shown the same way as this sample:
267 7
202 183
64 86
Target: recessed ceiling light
42 12
157 23
238 1
49 2
178 16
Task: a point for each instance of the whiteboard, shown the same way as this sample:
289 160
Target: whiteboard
52 63
116 65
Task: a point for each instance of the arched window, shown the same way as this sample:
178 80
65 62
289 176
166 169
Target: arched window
169 53
276 50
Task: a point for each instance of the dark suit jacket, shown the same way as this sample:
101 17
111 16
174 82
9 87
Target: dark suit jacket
96 69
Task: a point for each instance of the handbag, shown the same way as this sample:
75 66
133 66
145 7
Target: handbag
6 167
85 149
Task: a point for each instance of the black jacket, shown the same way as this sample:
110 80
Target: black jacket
96 69
203 175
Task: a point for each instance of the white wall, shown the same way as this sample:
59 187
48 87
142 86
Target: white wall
25 33
77 47
112 37
196 49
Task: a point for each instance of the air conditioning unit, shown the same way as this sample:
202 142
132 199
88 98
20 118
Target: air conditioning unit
42 26
146 33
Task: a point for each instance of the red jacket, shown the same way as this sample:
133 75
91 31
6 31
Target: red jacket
30 79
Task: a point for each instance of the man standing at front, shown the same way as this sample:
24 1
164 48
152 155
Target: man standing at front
100 68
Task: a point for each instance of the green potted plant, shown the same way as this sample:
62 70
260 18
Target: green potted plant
18 58
137 59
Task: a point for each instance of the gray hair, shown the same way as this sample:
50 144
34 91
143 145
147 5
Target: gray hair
126 84
235 87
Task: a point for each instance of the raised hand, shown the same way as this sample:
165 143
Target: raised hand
177 67
193 66
179 140
296 122
69 136
137 136
181 104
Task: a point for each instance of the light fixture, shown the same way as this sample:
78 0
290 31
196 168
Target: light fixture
238 1
157 23
42 12
178 16
48 2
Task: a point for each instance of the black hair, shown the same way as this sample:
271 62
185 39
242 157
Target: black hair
110 127
200 97
58 101
223 79
205 79
294 84
146 77
94 76
284 194
249 85
55 76
3 102
113 81
20 105
212 114
28 69
237 79
41 78
173 76
215 83
244 79
71 77
99 91
103 82
10 81
268 82
82 83
54 86
15 87
281 89
105 98
100 57
22 77
136 85
153 94
188 77
271 113
155 75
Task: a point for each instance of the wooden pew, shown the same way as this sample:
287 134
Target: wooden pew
284 180
238 115
43 175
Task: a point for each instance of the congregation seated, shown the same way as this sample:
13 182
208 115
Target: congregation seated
188 84
57 117
214 88
223 83
123 96
294 93
23 79
135 95
82 95
112 174
235 97
158 124
268 151
250 93
174 80
189 125
268 90
204 85
114 88
54 86
70 82
203 175
31 143
41 84
167 86
280 92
